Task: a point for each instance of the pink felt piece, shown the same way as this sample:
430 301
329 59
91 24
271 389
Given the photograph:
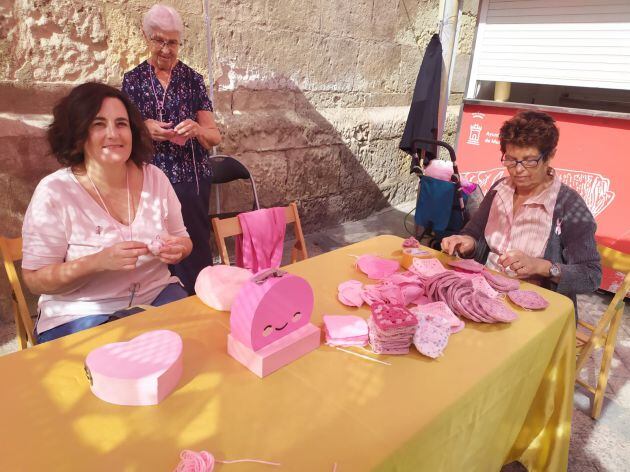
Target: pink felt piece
377 267
260 245
415 252
279 353
500 282
349 293
431 336
481 285
218 285
142 371
442 310
411 243
391 293
411 294
467 265
496 310
427 267
528 299
269 306
371 294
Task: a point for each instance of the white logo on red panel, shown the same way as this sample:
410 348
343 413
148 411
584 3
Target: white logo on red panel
593 188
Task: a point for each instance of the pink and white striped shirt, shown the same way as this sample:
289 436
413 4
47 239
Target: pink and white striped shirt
526 230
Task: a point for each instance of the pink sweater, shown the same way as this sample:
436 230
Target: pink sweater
63 223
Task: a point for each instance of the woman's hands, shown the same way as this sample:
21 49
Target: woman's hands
188 129
524 266
124 256
460 244
174 249
159 130
120 256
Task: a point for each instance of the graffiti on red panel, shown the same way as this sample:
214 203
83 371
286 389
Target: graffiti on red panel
594 188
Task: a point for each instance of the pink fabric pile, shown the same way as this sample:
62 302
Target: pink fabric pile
345 330
404 288
465 300
391 328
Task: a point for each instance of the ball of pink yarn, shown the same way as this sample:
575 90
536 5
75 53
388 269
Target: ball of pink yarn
191 461
155 245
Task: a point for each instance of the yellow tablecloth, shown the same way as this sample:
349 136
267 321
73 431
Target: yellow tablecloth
500 393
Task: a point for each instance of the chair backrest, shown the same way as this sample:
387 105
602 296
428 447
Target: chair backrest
227 169
225 228
11 250
603 335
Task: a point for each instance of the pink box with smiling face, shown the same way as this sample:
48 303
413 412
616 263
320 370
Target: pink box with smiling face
270 321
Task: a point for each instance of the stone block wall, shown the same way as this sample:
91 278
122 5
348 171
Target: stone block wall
312 95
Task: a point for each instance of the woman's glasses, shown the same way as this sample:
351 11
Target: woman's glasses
163 43
528 163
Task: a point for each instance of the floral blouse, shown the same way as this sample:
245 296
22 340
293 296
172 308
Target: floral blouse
185 96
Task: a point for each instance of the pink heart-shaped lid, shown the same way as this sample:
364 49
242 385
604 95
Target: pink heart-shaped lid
151 353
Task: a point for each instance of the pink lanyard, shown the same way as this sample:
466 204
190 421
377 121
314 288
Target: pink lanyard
160 104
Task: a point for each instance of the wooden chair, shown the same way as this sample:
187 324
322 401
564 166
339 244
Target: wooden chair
12 251
604 334
231 227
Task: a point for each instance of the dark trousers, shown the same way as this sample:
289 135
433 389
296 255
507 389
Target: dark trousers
171 293
195 208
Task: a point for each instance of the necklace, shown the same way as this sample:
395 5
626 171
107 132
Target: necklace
122 235
160 103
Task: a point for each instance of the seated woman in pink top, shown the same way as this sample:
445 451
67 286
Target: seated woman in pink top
530 224
100 232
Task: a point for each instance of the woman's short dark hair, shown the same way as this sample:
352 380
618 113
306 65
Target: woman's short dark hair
73 115
530 129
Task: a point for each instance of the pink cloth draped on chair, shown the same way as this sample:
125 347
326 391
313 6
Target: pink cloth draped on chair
260 245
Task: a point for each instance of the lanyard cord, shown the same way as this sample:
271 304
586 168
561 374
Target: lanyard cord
160 104
107 209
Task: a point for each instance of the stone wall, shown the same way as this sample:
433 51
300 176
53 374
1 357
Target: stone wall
312 94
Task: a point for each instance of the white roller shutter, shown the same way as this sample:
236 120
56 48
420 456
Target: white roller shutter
584 43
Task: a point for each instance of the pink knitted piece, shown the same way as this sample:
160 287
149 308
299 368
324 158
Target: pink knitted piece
528 299
427 267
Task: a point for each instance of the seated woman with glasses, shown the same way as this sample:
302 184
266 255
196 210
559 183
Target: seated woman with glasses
177 111
531 225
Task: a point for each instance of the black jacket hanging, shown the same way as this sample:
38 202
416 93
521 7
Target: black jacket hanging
422 121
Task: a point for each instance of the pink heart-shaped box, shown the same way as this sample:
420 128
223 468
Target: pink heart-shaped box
142 371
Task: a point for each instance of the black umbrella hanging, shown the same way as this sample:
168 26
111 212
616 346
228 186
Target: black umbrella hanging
422 121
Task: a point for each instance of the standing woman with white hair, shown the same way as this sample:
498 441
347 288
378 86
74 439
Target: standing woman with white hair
177 111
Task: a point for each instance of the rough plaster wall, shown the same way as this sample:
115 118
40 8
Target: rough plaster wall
311 95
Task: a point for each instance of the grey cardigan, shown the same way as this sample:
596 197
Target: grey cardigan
574 249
